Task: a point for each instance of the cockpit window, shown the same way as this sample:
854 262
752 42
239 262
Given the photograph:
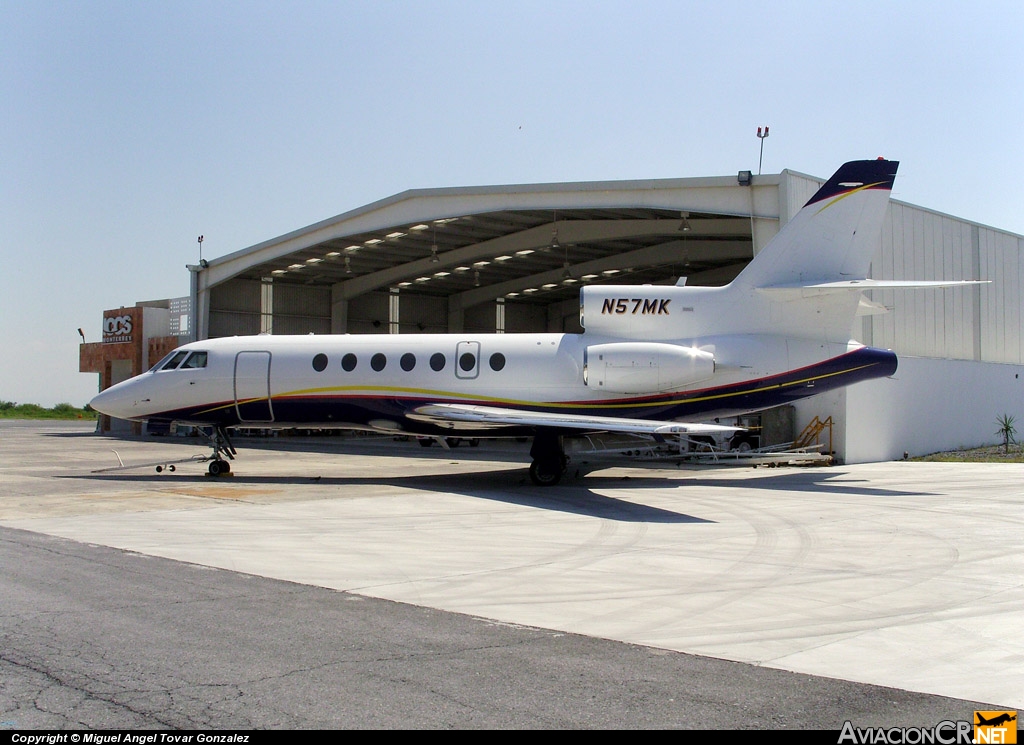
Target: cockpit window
163 359
174 361
195 360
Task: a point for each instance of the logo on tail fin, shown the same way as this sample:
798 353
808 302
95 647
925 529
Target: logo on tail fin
857 175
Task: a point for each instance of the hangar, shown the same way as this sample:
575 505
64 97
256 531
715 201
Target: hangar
512 258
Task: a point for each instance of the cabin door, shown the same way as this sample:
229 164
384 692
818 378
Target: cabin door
252 387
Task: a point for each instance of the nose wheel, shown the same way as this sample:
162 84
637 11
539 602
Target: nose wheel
219 467
223 451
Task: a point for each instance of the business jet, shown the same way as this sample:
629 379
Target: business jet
655 360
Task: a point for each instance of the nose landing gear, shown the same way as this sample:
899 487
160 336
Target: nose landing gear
221 444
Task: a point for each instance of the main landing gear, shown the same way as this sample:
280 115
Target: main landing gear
223 451
549 459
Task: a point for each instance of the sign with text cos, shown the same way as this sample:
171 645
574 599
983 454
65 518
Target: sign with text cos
118 326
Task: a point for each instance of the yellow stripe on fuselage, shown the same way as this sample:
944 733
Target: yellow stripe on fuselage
429 394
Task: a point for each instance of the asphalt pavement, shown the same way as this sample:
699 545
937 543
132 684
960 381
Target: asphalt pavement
363 582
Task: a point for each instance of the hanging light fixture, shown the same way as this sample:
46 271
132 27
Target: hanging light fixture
554 245
433 249
684 226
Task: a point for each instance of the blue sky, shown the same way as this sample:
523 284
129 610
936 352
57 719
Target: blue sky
130 128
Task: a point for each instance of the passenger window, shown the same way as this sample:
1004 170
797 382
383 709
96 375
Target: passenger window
175 361
437 362
348 362
497 361
195 361
408 361
378 361
320 362
467 361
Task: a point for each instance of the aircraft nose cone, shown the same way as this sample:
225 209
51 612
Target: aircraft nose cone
116 401
103 402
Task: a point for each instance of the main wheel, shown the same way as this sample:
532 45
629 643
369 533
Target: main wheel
546 472
743 446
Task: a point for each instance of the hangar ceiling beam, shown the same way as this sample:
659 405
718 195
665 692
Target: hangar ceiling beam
537 239
678 251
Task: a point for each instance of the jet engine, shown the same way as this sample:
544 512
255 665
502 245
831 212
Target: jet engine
644 367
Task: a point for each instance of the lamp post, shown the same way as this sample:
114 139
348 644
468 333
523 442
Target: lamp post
761 137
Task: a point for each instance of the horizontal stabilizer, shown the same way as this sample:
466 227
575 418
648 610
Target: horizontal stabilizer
798 291
493 416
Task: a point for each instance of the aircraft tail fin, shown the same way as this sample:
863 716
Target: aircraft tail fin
834 236
806 282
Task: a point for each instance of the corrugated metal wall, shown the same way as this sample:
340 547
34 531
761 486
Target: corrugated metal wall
300 309
235 308
981 322
1000 305
799 191
423 314
368 314
942 323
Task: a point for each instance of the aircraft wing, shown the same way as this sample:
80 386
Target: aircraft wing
488 417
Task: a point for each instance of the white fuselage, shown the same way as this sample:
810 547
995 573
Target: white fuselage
372 381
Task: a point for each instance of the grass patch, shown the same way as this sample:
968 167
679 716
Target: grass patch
11 410
988 454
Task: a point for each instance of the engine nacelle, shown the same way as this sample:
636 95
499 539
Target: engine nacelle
644 367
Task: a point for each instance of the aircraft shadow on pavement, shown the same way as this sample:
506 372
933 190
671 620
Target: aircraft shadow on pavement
579 493
807 479
575 496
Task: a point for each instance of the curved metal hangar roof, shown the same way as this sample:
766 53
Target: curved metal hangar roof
526 243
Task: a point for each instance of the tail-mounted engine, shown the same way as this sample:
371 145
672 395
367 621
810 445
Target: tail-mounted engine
644 367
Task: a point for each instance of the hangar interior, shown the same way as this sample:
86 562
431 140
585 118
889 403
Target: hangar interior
512 258
495 259
450 274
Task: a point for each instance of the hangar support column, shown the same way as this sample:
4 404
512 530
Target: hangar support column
339 311
199 297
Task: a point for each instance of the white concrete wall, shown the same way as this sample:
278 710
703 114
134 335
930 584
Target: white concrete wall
929 406
824 406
